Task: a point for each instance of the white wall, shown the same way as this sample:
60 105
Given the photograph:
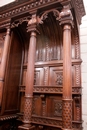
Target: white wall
3 2
83 41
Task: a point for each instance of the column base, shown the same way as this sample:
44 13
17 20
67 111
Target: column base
26 127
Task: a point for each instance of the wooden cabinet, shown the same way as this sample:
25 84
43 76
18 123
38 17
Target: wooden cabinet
40 65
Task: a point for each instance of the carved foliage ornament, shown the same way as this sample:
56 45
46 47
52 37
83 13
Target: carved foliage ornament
64 16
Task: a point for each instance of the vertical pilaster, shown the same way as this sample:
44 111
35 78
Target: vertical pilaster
3 61
66 20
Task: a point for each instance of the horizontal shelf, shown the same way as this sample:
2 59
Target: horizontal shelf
50 89
55 63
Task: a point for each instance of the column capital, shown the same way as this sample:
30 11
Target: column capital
32 24
8 30
66 16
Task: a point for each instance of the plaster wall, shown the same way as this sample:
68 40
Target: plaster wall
4 2
83 42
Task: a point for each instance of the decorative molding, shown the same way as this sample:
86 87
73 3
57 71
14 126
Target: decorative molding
51 121
79 9
33 5
26 7
50 89
16 23
47 121
8 117
46 74
76 90
77 75
45 15
77 44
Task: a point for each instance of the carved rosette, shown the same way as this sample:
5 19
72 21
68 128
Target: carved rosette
67 116
28 109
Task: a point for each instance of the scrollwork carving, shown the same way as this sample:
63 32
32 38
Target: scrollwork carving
20 21
45 15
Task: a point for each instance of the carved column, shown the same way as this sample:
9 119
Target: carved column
30 72
3 61
66 21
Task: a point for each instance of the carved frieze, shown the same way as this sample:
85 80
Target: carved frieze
49 89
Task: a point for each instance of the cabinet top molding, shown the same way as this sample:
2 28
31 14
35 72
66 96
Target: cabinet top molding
20 7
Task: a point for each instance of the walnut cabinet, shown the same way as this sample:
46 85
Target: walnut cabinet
40 65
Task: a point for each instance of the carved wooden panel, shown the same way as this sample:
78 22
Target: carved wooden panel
43 108
12 77
77 108
38 76
56 76
37 108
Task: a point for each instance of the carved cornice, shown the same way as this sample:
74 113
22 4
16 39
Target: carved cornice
79 9
27 7
21 7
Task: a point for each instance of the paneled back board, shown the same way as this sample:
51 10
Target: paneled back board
40 65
